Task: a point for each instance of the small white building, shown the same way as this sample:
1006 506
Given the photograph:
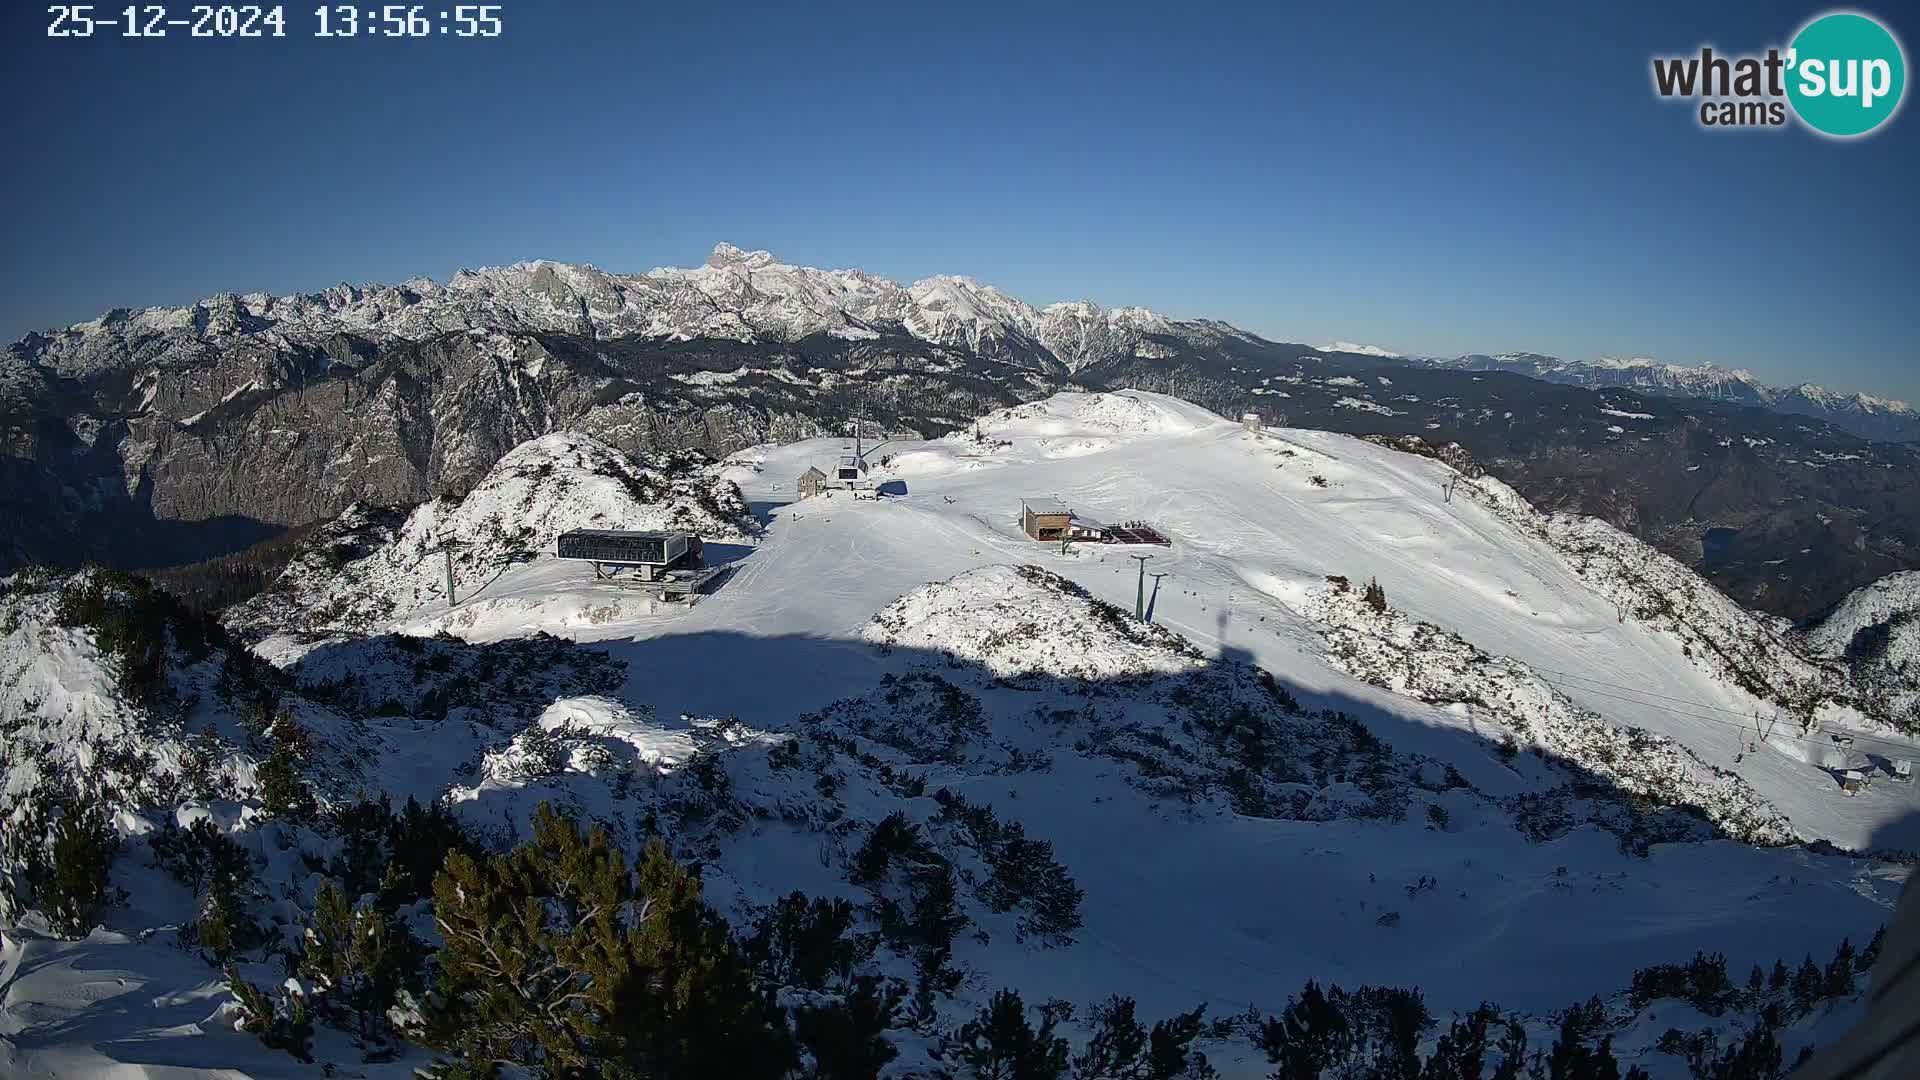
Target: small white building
849 473
1085 528
1251 421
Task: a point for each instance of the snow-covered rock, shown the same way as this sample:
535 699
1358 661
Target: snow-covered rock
1890 600
1018 621
364 567
1503 695
1875 632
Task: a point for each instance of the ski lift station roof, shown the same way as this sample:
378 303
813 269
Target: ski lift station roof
1046 506
623 534
648 547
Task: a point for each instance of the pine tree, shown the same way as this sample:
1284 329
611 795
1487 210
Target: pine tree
935 921
281 790
1461 1053
1756 1057
206 860
999 1043
804 943
1398 1019
200 765
1870 955
558 958
1117 1044
359 960
1375 596
1513 1052
224 927
1839 975
1170 1052
1808 984
848 1041
281 1021
1122 1048
1570 1058
1311 1035
68 851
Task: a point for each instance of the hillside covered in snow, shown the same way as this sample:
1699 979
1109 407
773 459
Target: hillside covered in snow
1386 727
371 565
1875 632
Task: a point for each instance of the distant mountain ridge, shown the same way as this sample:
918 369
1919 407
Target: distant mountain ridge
751 297
744 296
1862 414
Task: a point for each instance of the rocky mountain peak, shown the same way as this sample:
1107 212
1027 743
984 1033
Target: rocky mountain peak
726 256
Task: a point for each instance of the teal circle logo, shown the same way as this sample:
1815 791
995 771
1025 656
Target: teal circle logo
1846 74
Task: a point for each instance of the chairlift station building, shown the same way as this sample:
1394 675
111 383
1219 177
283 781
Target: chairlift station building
669 564
849 474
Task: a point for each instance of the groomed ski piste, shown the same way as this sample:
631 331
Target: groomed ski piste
1186 901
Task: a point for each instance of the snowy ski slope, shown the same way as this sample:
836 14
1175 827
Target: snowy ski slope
1185 902
1254 535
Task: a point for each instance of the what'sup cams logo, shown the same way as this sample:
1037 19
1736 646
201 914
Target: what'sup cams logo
1843 76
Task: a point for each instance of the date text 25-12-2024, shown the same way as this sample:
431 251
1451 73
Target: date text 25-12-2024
258 21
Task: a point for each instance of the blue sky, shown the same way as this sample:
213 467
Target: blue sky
1436 178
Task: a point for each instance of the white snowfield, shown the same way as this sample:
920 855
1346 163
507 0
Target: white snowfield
1185 902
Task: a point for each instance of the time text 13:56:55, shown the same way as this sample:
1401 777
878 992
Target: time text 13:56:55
259 21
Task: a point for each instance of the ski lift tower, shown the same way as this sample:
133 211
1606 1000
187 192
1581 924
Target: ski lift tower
445 550
1140 593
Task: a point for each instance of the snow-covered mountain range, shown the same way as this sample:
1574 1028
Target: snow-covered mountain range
750 296
743 296
1387 724
1863 414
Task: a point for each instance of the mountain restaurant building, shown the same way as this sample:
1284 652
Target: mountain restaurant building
1046 519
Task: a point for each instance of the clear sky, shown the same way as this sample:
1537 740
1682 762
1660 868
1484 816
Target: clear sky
1431 177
